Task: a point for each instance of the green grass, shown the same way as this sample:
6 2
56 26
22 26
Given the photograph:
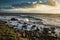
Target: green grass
7 33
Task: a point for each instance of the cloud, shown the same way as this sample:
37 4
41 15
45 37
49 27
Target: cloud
38 9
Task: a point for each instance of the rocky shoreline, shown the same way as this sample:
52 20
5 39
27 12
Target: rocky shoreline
9 33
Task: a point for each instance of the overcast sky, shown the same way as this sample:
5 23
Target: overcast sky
40 9
4 3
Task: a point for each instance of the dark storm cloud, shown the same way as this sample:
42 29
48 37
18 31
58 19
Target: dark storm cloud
10 2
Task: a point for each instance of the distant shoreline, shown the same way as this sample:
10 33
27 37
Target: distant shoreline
18 14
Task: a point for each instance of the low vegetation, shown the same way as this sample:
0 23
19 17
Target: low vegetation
7 33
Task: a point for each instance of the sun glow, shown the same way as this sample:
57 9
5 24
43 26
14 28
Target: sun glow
48 9
44 7
38 8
